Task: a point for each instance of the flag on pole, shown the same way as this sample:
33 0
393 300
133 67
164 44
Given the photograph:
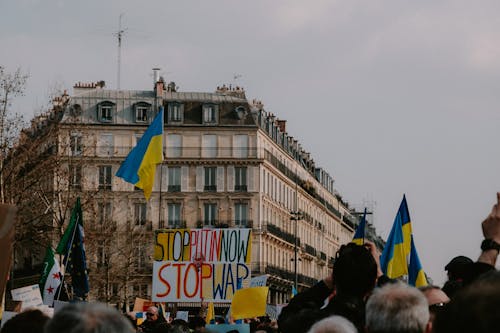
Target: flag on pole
73 248
294 291
404 215
359 235
393 259
51 277
416 274
139 167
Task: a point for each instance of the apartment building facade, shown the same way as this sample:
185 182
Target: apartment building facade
227 163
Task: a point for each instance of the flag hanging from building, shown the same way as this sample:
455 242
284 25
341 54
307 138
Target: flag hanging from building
359 235
73 248
139 167
51 277
416 274
393 259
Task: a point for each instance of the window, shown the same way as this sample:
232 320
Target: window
209 114
210 184
174 179
75 176
75 144
104 212
241 214
102 259
174 214
209 145
174 113
105 111
106 146
174 145
140 256
105 177
140 214
210 214
141 113
240 179
240 146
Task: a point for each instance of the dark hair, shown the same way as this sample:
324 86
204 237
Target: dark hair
476 308
354 271
30 321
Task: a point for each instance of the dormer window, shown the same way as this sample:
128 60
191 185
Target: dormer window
174 113
209 114
141 112
105 111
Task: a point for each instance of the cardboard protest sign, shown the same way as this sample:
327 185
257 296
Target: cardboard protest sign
249 303
30 296
192 265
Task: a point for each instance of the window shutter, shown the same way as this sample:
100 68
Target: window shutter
199 179
230 178
184 178
251 170
220 179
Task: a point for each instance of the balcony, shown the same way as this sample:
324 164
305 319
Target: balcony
174 188
310 250
173 224
276 231
240 188
210 188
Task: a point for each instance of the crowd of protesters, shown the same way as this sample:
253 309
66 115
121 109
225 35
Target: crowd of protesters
356 297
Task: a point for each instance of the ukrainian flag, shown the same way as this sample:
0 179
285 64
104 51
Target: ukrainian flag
404 215
393 259
139 167
416 275
359 235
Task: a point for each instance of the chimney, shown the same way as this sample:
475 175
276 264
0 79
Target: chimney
282 125
156 75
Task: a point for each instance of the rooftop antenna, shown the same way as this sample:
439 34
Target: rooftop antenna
119 35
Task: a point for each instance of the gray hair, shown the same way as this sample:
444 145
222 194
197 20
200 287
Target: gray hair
333 324
88 318
397 308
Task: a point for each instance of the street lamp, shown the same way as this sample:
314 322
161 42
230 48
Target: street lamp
296 216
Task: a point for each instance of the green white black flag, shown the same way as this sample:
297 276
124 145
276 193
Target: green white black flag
51 277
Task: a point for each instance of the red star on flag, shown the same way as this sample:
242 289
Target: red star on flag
50 289
56 276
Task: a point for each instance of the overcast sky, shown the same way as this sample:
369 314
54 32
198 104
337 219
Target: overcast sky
390 97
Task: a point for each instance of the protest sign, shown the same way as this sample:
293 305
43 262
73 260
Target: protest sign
192 265
30 296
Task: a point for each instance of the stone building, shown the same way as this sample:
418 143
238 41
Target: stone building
228 163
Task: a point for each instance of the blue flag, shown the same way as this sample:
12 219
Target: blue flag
73 248
393 259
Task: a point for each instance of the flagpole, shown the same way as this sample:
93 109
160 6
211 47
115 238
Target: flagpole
67 257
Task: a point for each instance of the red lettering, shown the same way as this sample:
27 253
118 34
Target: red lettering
178 266
165 282
191 266
204 276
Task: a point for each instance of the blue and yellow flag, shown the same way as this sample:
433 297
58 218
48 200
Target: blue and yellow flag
404 215
393 259
359 235
416 275
139 167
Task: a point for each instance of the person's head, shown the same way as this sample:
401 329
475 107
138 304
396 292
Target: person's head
197 323
354 271
457 267
397 308
476 308
29 321
152 313
333 324
88 318
436 299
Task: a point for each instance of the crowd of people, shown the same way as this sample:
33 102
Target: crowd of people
356 297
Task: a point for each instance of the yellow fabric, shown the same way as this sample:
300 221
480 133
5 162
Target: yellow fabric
407 232
249 302
210 313
147 170
397 266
